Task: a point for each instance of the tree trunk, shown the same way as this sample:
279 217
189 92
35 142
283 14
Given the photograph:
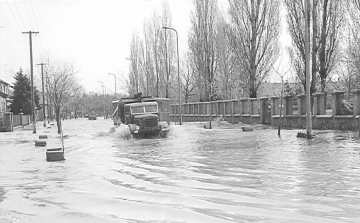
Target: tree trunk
253 51
314 49
58 119
322 59
323 84
253 93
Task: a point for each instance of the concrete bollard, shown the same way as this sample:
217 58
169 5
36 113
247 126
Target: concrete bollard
303 135
247 129
56 154
43 136
40 143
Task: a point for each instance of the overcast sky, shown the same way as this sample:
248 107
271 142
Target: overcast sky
93 34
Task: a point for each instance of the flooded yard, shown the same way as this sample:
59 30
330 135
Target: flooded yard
194 175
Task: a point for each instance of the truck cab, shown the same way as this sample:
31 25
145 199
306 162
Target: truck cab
144 116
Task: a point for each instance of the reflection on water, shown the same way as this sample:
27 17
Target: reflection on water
194 175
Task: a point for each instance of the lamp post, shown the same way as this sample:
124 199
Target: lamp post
103 87
177 49
115 80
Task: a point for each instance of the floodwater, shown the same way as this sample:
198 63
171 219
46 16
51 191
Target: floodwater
194 175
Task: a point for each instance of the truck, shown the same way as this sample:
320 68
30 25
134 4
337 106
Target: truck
145 115
92 115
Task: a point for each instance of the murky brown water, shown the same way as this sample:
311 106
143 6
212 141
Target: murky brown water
194 175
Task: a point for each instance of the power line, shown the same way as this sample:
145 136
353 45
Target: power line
13 15
27 15
19 14
32 9
36 25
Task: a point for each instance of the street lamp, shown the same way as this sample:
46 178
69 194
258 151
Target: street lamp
115 81
177 49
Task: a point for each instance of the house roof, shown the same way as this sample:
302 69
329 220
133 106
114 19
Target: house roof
3 82
271 89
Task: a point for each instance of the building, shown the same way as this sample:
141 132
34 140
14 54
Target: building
4 94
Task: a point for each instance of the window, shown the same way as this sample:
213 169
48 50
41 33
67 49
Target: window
137 110
127 109
151 108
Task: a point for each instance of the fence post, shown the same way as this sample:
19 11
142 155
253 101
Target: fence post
264 109
288 105
301 104
356 102
274 106
337 98
319 104
21 119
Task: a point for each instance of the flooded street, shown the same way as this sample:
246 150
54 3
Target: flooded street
194 175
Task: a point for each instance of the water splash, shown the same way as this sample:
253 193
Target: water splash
121 131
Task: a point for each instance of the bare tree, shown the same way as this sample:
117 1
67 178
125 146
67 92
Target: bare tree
157 54
348 71
60 80
254 38
353 46
281 72
329 52
155 45
135 63
149 63
76 98
226 63
296 27
167 51
327 19
202 44
187 77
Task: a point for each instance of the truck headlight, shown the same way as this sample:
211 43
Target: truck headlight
137 127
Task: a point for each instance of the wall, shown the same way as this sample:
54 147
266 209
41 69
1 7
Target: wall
17 120
2 113
267 111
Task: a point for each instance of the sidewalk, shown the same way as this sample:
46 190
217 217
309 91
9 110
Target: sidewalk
53 138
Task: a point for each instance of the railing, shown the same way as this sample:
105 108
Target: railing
329 111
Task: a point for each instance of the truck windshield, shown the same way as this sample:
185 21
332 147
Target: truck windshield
137 110
151 108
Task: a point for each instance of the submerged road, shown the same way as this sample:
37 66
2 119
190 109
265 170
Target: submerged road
194 175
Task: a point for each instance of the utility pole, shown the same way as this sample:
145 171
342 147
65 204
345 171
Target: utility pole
307 71
43 91
32 80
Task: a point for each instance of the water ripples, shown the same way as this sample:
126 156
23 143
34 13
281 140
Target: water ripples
194 175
